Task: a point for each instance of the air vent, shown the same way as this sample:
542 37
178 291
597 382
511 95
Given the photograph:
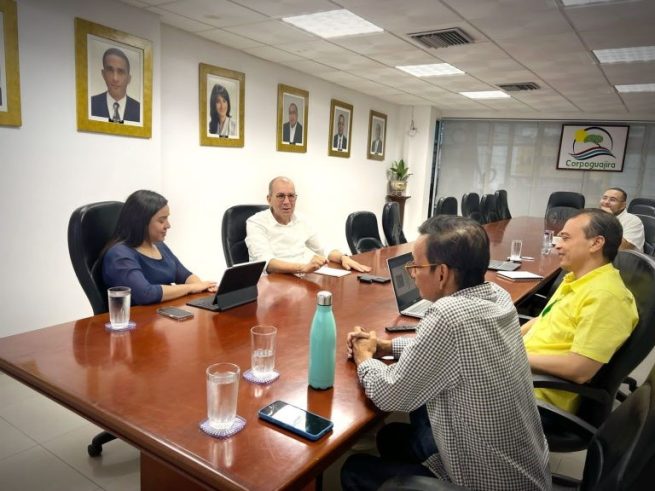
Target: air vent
519 86
442 38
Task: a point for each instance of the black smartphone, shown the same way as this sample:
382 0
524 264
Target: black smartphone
370 278
175 313
400 328
297 420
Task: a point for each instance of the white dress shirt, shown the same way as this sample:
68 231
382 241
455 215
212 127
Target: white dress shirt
121 106
633 229
268 239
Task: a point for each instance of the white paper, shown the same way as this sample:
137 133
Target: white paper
331 271
519 275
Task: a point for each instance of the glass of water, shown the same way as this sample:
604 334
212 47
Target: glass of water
515 251
548 242
262 354
222 394
119 307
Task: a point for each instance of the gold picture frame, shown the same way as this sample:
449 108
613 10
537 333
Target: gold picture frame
225 87
10 114
290 139
338 142
107 57
377 136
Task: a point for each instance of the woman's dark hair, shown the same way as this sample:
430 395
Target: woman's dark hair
218 90
460 243
133 221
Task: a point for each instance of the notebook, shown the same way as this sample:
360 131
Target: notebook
238 286
519 275
407 295
496 265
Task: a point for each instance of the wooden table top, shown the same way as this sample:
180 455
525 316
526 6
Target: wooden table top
147 385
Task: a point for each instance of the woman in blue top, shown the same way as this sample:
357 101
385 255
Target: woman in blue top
137 256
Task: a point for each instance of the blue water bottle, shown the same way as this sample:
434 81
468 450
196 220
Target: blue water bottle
322 343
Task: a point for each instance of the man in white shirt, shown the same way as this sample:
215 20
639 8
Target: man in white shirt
614 201
286 241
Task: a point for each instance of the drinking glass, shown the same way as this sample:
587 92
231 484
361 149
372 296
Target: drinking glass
262 355
515 251
119 307
222 394
548 242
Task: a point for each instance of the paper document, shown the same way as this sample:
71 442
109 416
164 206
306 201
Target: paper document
519 275
331 271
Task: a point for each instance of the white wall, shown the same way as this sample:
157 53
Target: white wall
201 182
48 168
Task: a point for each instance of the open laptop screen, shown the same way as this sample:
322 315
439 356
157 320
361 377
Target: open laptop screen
404 287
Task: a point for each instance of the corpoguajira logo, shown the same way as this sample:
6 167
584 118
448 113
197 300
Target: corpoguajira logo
591 142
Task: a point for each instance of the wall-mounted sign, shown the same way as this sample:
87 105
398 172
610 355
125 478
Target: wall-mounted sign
592 147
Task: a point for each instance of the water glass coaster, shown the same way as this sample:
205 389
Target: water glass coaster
257 379
130 325
237 425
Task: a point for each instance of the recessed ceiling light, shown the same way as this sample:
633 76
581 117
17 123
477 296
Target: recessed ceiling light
625 55
333 23
636 88
433 70
573 3
486 94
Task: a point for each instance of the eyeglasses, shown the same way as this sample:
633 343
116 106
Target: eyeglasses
411 266
281 196
611 199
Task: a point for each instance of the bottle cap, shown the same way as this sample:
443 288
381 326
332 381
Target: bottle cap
324 298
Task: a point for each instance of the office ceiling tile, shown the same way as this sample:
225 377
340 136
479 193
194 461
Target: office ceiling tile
501 26
374 44
409 99
636 35
179 21
308 66
218 13
409 56
630 73
228 39
313 49
136 3
460 83
477 9
610 17
272 32
272 54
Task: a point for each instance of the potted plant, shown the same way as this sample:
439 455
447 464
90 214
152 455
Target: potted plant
398 174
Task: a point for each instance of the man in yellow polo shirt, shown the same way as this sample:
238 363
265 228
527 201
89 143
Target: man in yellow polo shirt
590 315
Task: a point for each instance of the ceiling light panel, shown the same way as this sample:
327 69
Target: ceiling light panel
486 94
635 88
625 55
333 23
432 70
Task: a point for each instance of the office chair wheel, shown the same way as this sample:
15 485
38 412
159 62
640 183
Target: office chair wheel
94 450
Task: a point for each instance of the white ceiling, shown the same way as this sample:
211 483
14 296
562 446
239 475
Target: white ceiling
514 41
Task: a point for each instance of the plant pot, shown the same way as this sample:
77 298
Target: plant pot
398 187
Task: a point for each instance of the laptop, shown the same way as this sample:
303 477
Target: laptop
496 265
407 295
238 286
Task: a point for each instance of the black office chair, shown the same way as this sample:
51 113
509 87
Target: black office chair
233 232
649 231
362 232
562 205
620 457
471 207
643 210
502 207
89 229
393 230
446 206
569 433
636 203
488 208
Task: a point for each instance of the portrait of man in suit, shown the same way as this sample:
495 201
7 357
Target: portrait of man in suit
376 144
340 140
114 104
292 129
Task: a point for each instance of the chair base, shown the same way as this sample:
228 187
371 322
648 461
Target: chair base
95 448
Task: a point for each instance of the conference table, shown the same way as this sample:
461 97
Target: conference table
147 385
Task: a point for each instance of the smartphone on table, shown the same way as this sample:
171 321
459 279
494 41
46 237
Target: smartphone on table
297 420
175 313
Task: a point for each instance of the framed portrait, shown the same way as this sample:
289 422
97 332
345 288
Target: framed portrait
10 114
222 116
341 114
377 135
592 147
113 72
292 110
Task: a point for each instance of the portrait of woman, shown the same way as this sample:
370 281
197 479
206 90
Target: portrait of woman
137 257
221 122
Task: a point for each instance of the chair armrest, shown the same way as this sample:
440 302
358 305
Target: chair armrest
524 318
545 408
419 483
552 382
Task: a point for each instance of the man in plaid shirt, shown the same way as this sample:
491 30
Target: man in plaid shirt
466 369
